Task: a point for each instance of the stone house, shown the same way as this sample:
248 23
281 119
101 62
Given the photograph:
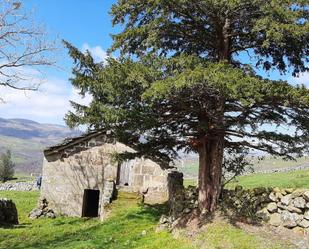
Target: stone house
79 175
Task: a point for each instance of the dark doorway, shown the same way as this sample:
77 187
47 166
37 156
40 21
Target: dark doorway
91 203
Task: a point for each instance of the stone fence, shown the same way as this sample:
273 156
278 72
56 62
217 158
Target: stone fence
279 170
18 186
278 207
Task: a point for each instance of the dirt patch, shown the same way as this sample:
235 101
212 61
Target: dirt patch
296 239
229 233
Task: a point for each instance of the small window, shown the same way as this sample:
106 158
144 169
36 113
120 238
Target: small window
91 203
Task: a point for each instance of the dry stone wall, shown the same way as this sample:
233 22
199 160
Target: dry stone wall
278 207
287 208
18 186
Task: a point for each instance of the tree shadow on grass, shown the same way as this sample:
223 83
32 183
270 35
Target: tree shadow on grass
244 215
150 211
109 234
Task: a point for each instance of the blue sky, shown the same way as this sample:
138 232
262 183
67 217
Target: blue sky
84 23
87 25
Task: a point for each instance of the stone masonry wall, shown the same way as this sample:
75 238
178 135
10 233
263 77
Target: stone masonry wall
88 165
278 207
67 174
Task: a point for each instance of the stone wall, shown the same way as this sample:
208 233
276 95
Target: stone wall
277 207
8 212
18 186
88 165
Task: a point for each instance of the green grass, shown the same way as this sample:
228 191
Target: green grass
293 179
23 150
220 235
190 168
123 229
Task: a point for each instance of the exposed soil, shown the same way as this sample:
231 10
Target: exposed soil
193 227
296 239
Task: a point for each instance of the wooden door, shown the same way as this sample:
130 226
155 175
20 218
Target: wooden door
125 170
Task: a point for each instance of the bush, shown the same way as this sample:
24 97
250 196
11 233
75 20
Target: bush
6 166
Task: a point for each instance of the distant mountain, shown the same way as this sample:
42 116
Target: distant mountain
27 139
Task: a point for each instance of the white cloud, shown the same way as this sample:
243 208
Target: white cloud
98 54
48 105
51 102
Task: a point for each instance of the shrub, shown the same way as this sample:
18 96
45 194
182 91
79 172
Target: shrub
6 166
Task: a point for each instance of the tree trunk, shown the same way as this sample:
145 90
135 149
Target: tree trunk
210 170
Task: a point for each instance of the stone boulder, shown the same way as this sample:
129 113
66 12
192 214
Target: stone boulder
299 202
275 219
306 215
304 223
8 212
272 207
42 210
306 195
288 219
285 200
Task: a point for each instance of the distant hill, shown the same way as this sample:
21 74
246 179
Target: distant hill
27 139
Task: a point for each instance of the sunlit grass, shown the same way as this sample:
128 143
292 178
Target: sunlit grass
130 225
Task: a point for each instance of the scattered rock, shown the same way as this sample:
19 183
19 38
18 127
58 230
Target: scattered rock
263 214
306 215
275 219
42 210
279 196
294 209
35 213
299 202
50 215
273 197
289 219
306 195
289 190
297 193
286 199
298 230
304 223
280 205
272 207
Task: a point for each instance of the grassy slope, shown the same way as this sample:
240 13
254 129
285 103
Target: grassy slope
190 169
23 151
122 230
293 179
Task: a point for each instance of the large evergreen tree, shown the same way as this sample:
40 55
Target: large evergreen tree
188 88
